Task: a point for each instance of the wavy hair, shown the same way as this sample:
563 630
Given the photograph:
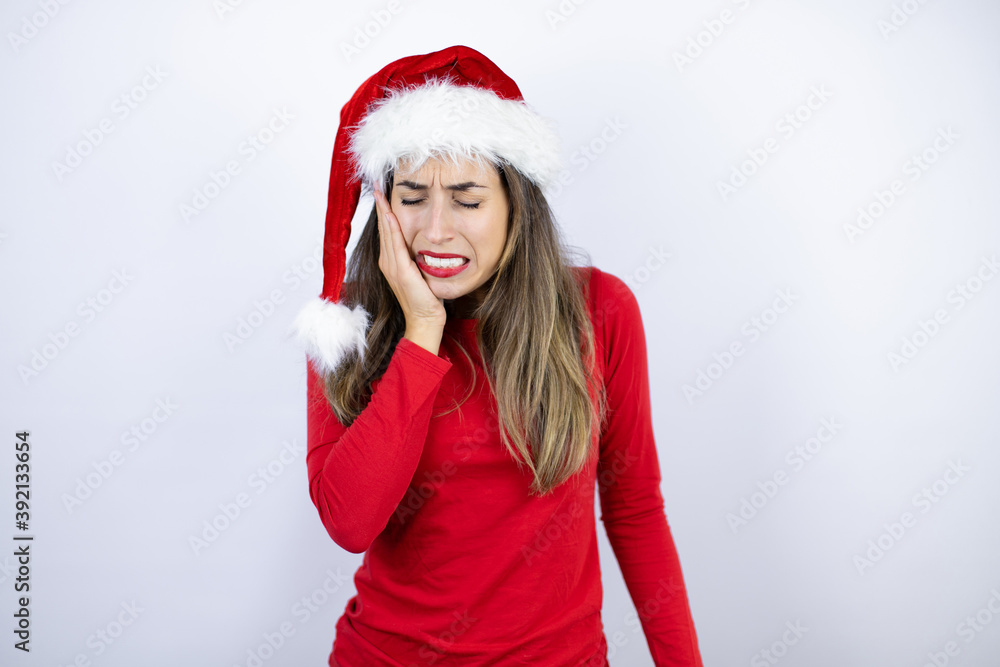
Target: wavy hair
533 331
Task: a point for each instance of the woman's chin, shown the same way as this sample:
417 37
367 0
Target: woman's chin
448 295
442 290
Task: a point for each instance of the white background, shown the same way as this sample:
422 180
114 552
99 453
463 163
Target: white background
653 184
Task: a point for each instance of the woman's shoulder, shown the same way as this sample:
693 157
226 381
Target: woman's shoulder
614 310
606 291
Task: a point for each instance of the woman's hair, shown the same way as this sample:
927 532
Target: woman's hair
533 330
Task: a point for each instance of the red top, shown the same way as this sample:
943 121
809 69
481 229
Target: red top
461 565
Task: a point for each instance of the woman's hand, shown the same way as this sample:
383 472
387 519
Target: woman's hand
421 308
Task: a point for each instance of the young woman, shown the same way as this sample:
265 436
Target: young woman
471 389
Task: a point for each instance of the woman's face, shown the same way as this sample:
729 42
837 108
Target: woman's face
452 210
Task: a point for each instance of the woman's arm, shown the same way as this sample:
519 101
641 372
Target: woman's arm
629 487
359 475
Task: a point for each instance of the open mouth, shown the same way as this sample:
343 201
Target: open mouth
443 262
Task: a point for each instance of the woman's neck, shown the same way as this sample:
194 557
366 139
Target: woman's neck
464 307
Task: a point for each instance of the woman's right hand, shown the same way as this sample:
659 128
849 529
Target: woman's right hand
421 308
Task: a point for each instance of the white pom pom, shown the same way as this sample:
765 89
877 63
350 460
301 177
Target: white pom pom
330 331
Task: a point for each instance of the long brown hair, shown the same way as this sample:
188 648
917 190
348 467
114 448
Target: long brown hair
533 331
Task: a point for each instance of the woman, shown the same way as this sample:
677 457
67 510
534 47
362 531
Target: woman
470 390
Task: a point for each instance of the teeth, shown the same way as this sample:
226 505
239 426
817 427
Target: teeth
448 263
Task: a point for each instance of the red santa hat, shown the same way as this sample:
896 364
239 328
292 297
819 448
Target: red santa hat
454 103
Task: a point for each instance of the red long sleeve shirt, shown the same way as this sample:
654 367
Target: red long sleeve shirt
461 565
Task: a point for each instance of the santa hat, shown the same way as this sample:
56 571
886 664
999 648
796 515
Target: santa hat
454 103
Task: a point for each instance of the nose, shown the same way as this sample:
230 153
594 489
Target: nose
438 228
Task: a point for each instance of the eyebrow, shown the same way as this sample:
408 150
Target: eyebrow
459 187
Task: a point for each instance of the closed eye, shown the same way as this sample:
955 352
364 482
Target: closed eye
414 202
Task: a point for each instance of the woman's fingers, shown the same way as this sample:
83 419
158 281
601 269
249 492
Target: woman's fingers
387 257
399 254
394 254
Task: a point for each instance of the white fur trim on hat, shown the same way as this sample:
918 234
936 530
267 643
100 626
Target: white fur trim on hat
330 331
441 119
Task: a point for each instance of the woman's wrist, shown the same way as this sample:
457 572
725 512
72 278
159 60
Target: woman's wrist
427 337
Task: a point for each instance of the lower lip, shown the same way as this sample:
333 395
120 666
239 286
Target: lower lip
438 272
